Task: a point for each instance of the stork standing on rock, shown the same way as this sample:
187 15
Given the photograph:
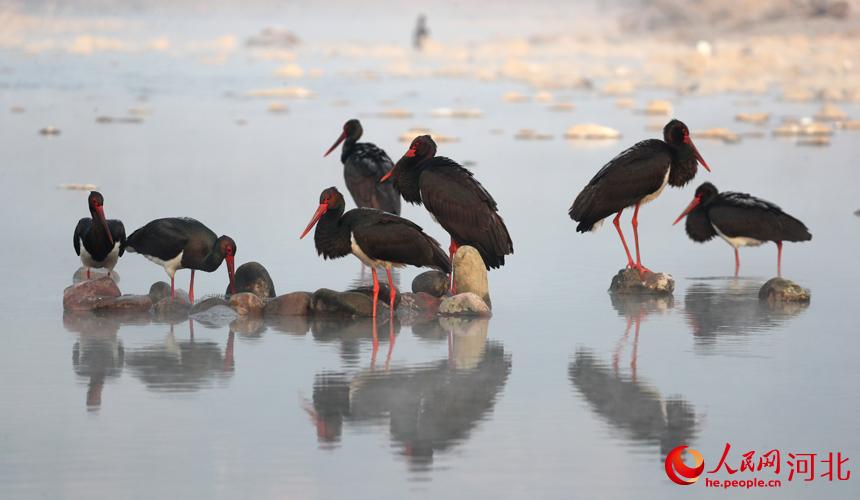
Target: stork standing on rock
98 241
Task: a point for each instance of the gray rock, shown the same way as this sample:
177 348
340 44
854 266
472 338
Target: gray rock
384 294
327 302
778 290
252 277
81 274
290 304
418 304
217 315
84 295
464 304
247 304
470 273
124 304
158 291
434 283
172 310
630 281
207 304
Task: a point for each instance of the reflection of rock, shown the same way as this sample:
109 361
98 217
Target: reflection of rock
252 277
778 290
84 295
298 325
172 310
468 340
349 334
732 309
632 406
470 273
631 281
427 408
185 365
248 326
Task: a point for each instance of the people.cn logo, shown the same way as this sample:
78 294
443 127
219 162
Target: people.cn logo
678 471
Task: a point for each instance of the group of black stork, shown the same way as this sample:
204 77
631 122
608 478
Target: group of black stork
376 234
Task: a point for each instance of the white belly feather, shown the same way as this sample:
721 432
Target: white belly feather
108 263
170 266
737 241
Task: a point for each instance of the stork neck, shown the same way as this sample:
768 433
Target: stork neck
407 179
98 227
684 165
348 147
332 236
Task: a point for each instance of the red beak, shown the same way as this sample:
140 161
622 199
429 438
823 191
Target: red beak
410 153
336 143
696 152
693 204
319 213
100 210
386 176
230 272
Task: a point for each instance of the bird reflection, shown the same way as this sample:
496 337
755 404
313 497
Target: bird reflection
350 334
429 407
98 355
182 365
719 308
631 405
635 308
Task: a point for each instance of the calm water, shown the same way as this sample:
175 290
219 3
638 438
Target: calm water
565 392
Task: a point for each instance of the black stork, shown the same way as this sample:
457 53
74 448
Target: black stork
376 238
183 243
740 219
636 176
456 200
363 165
103 240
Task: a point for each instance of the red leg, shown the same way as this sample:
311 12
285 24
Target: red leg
191 288
375 292
452 249
779 258
635 224
375 349
737 262
88 273
618 228
392 291
172 291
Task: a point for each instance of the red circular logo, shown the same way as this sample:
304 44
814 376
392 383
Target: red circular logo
678 471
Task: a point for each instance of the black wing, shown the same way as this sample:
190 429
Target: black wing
465 209
388 237
363 168
624 181
80 230
740 214
117 232
162 238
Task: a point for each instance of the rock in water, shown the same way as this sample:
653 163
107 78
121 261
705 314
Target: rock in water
81 274
172 310
464 304
470 273
158 291
384 293
217 315
124 304
327 302
782 290
247 304
629 281
419 303
291 304
434 283
209 303
84 295
252 277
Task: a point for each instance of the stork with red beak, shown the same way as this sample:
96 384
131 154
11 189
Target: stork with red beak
636 176
97 240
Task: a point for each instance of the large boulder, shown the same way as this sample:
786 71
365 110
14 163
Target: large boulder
208 303
290 304
434 283
247 304
778 290
124 304
464 304
158 291
470 273
327 302
172 310
84 295
252 277
631 281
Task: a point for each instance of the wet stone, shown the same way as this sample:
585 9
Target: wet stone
171 310
84 295
127 304
470 273
290 304
630 281
327 302
217 315
434 283
208 303
384 293
246 304
252 277
464 304
418 304
81 274
158 291
778 290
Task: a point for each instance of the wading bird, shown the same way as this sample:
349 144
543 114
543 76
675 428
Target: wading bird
740 219
98 241
636 176
455 199
363 165
182 243
376 238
